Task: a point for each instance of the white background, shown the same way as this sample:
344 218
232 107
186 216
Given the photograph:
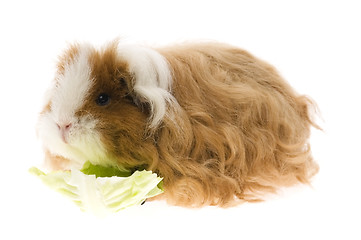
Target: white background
314 44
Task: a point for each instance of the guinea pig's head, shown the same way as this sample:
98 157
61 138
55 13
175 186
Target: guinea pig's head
103 102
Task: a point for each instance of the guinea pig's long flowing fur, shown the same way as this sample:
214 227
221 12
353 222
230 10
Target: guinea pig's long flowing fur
219 125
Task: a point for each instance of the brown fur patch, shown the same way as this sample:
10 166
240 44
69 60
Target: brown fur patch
123 123
246 129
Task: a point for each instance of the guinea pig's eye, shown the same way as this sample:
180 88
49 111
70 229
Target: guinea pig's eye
103 99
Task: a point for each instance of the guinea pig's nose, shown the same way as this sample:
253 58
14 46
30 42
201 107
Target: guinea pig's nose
65 127
64 131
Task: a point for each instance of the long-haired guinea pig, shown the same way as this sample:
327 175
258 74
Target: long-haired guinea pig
219 125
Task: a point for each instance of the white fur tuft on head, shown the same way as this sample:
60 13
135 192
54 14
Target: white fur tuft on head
152 79
73 86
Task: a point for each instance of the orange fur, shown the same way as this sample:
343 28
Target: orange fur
242 130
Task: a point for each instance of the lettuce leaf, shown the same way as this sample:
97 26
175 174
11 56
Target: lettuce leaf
102 171
102 190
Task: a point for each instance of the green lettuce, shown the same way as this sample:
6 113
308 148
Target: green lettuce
102 190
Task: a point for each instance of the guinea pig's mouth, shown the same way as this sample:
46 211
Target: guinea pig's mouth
78 141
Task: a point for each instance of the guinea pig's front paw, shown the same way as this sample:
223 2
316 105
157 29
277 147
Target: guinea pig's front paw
55 162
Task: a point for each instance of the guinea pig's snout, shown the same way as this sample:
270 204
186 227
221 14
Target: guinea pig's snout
64 130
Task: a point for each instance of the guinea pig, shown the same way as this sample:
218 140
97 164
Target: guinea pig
219 126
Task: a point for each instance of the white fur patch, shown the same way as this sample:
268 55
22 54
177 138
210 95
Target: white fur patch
72 88
67 97
153 78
